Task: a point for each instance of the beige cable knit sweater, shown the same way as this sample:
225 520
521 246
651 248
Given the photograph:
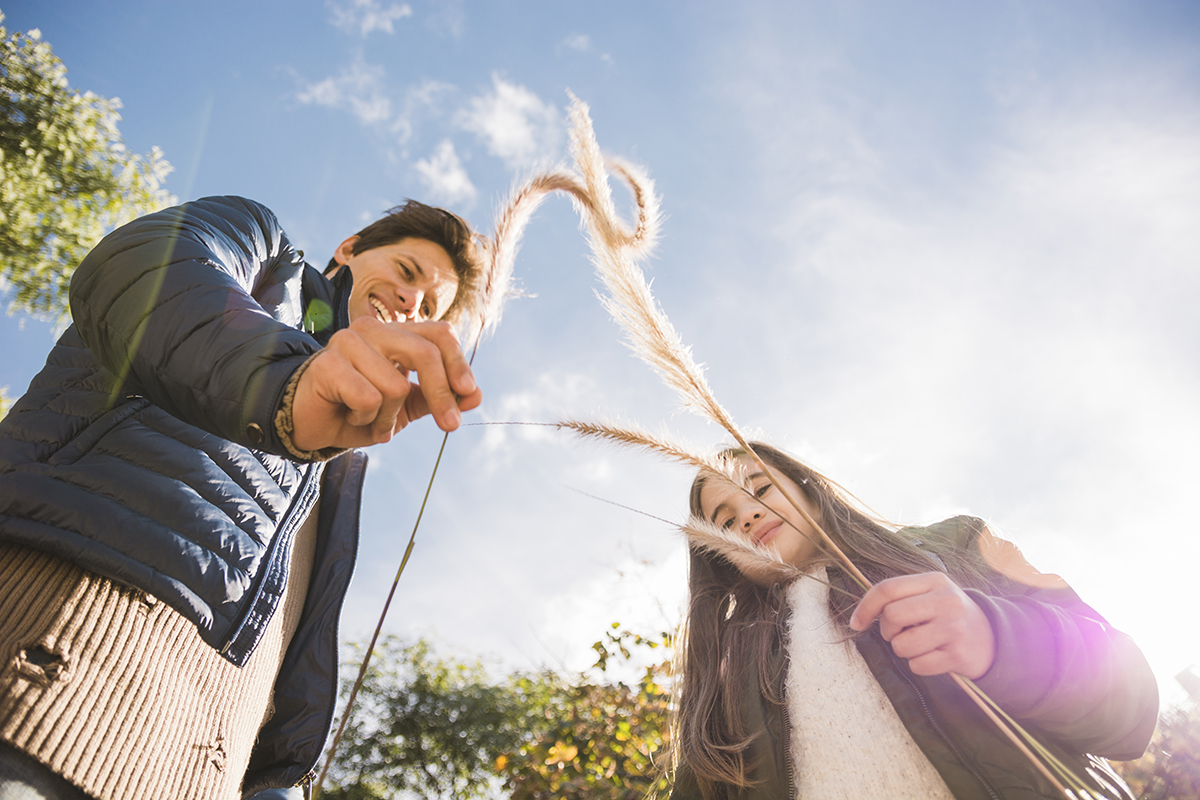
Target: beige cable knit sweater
116 692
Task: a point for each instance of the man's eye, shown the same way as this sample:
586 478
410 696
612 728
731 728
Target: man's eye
427 311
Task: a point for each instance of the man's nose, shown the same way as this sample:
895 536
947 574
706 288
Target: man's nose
410 302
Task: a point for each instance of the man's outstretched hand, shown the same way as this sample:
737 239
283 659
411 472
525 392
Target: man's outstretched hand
357 392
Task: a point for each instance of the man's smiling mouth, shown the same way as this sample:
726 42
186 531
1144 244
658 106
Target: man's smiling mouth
381 311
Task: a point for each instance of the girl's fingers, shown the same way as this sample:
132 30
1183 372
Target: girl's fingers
930 621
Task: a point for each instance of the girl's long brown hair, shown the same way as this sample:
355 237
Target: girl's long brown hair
733 623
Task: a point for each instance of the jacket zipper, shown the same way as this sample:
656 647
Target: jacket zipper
937 726
285 534
333 689
788 769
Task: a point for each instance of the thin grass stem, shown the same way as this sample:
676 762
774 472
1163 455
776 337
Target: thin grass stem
362 670
1050 757
974 693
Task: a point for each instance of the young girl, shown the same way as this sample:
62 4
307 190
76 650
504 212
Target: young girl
810 687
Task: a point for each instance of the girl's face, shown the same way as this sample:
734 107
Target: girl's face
762 514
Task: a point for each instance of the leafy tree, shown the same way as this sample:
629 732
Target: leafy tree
66 178
430 726
598 739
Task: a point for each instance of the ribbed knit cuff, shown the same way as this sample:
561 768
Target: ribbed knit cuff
285 426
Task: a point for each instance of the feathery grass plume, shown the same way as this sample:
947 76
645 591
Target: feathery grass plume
744 554
500 250
729 469
740 551
659 445
647 330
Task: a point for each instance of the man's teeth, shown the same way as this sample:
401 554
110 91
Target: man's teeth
381 311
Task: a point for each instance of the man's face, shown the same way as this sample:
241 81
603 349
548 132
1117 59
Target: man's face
408 280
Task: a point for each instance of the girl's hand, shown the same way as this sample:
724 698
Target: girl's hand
931 622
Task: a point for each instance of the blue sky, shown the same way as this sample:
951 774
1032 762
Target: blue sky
946 252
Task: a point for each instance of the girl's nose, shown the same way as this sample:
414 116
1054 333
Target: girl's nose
750 517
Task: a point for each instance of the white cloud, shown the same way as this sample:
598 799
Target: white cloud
420 102
358 89
444 176
579 42
365 16
515 124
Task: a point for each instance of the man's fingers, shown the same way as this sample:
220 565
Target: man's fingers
357 391
349 396
435 396
380 407
432 351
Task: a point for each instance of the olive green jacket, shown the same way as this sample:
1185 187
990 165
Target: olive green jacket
1077 684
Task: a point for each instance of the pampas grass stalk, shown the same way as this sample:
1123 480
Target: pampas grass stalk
632 437
500 251
999 716
739 550
653 339
648 331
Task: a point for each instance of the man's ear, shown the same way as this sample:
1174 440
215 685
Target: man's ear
344 251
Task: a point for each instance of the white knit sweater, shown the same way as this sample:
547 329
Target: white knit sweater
847 742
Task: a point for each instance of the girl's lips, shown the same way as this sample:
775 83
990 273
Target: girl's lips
768 531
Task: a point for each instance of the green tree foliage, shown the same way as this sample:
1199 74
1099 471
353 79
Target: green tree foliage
66 178
598 739
429 726
1170 770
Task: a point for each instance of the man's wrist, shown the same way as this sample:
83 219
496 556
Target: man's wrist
285 425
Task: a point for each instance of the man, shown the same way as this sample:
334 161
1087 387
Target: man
178 517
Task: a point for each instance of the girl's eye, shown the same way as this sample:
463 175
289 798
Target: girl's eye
762 490
426 310
727 524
